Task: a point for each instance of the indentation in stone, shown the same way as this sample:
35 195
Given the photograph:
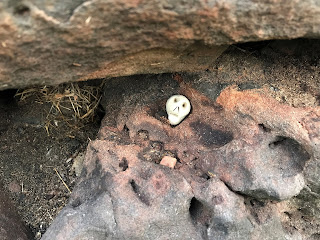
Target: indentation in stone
209 136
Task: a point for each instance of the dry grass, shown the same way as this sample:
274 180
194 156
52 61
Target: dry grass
71 104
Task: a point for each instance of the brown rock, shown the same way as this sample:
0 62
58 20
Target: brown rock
49 43
238 138
236 155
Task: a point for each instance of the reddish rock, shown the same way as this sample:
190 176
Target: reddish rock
44 42
238 139
294 130
235 156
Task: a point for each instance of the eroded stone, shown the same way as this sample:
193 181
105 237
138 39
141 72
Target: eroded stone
244 142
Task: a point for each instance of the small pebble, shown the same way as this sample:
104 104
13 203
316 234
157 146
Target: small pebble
168 161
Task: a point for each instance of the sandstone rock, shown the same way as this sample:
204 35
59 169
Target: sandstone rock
129 202
45 42
249 151
236 155
123 196
233 139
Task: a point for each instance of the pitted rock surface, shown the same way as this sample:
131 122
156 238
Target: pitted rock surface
239 144
238 155
50 42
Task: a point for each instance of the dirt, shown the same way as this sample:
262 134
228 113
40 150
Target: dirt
32 163
287 70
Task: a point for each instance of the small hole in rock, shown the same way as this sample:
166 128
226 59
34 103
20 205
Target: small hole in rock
257 203
201 216
76 202
205 176
279 140
143 134
126 131
158 111
195 208
141 195
264 128
125 128
288 214
289 154
21 10
100 113
134 186
124 164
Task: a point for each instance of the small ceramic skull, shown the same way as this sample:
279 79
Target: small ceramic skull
178 107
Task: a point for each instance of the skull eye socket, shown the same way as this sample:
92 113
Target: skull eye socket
175 100
184 105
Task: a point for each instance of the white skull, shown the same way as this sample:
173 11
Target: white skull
178 107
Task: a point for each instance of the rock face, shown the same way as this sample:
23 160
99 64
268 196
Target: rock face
49 42
238 155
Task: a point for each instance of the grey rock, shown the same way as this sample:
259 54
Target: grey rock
142 202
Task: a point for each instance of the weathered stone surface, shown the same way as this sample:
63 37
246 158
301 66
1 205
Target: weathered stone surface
49 42
123 196
236 154
296 131
11 225
244 145
126 198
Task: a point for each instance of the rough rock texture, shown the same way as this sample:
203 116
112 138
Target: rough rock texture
236 154
11 226
49 42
